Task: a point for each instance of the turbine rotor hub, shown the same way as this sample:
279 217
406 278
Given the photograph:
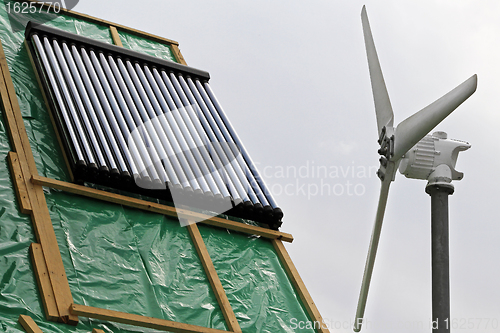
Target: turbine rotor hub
386 142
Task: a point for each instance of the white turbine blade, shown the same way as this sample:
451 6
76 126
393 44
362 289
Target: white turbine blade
372 250
383 108
414 128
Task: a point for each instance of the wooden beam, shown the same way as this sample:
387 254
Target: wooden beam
108 23
8 114
22 174
299 286
96 330
213 278
248 229
137 320
15 118
40 214
160 209
43 281
116 37
19 185
29 324
53 261
177 54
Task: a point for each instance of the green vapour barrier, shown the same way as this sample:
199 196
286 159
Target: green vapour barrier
152 48
119 258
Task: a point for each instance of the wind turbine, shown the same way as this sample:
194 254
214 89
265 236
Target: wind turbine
408 137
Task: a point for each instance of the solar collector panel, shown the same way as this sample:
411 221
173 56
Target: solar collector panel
142 124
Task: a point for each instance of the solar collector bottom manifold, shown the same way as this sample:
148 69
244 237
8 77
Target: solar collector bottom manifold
146 125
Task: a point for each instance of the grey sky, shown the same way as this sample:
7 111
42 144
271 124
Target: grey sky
293 79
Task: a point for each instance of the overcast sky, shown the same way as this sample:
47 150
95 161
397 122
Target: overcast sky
293 79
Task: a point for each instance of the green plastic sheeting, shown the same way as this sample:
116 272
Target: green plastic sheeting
149 47
132 261
119 258
255 282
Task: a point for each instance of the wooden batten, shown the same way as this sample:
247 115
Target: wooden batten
43 281
177 54
137 320
19 185
116 37
29 324
213 278
299 286
40 214
161 209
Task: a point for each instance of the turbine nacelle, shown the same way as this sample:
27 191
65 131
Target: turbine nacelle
434 159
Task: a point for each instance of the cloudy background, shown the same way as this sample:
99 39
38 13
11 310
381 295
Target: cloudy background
293 78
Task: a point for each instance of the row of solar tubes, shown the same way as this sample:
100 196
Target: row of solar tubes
161 128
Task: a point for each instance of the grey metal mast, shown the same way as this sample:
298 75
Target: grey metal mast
436 156
440 257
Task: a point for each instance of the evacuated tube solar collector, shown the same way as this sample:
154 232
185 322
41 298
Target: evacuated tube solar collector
146 125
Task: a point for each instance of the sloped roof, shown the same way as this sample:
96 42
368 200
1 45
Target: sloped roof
122 258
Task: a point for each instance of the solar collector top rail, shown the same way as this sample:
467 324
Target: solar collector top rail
133 121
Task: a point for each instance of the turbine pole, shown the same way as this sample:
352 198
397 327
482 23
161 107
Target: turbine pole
434 158
440 257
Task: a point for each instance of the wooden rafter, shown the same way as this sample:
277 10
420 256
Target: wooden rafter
159 208
177 54
138 320
19 185
29 324
299 286
213 278
43 281
40 216
116 37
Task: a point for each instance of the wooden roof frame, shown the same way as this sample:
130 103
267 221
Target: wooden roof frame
47 261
